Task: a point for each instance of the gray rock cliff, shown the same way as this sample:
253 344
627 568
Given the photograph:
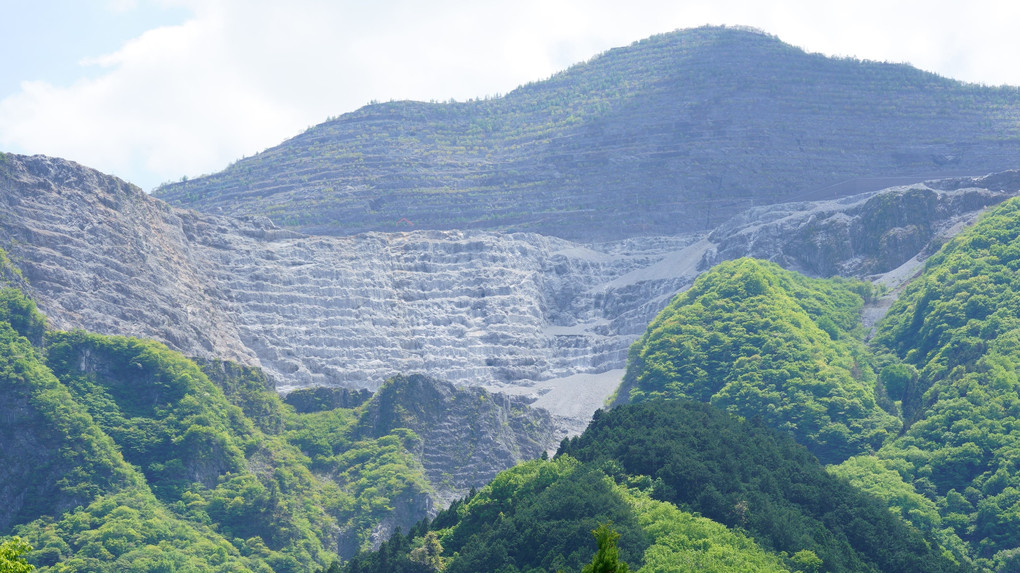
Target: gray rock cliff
512 311
468 435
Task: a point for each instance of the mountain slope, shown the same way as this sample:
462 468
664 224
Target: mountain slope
645 468
120 453
943 364
957 328
65 484
759 341
467 434
671 134
519 312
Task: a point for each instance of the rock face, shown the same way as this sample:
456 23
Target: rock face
475 308
31 471
103 256
861 235
471 307
468 435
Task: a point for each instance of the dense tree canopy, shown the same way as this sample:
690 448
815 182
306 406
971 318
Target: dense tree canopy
540 516
743 474
12 556
756 340
958 325
125 456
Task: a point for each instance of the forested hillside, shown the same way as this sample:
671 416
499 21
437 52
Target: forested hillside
687 487
672 134
757 340
121 455
943 368
957 331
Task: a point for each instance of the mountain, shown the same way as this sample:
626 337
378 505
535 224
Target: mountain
134 451
522 313
922 416
673 134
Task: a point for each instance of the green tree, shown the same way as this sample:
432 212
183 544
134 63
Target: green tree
898 379
430 553
806 561
11 560
606 559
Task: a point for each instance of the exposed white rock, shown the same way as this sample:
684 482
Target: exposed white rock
470 307
474 308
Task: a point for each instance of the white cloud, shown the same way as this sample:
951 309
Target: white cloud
242 75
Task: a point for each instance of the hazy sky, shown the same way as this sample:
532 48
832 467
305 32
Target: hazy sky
152 90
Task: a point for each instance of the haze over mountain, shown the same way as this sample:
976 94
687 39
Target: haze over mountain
672 134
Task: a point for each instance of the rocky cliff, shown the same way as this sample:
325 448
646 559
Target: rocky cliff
860 235
518 311
468 435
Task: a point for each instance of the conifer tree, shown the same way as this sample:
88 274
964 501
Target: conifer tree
606 559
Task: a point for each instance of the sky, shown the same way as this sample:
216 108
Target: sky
156 90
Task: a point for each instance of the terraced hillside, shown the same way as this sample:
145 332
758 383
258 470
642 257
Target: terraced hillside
672 134
521 312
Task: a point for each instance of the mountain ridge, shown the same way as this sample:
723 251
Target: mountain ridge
115 445
672 134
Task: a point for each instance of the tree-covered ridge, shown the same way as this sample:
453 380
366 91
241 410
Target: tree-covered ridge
121 455
540 516
957 329
757 340
686 486
66 488
743 474
67 461
673 133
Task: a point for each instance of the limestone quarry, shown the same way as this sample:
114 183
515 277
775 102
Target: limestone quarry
523 313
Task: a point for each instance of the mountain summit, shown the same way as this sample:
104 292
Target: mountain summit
672 134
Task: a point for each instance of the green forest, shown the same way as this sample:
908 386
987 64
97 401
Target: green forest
687 487
756 340
759 427
125 456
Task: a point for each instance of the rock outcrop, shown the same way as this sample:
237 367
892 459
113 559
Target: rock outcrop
468 435
475 308
862 235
